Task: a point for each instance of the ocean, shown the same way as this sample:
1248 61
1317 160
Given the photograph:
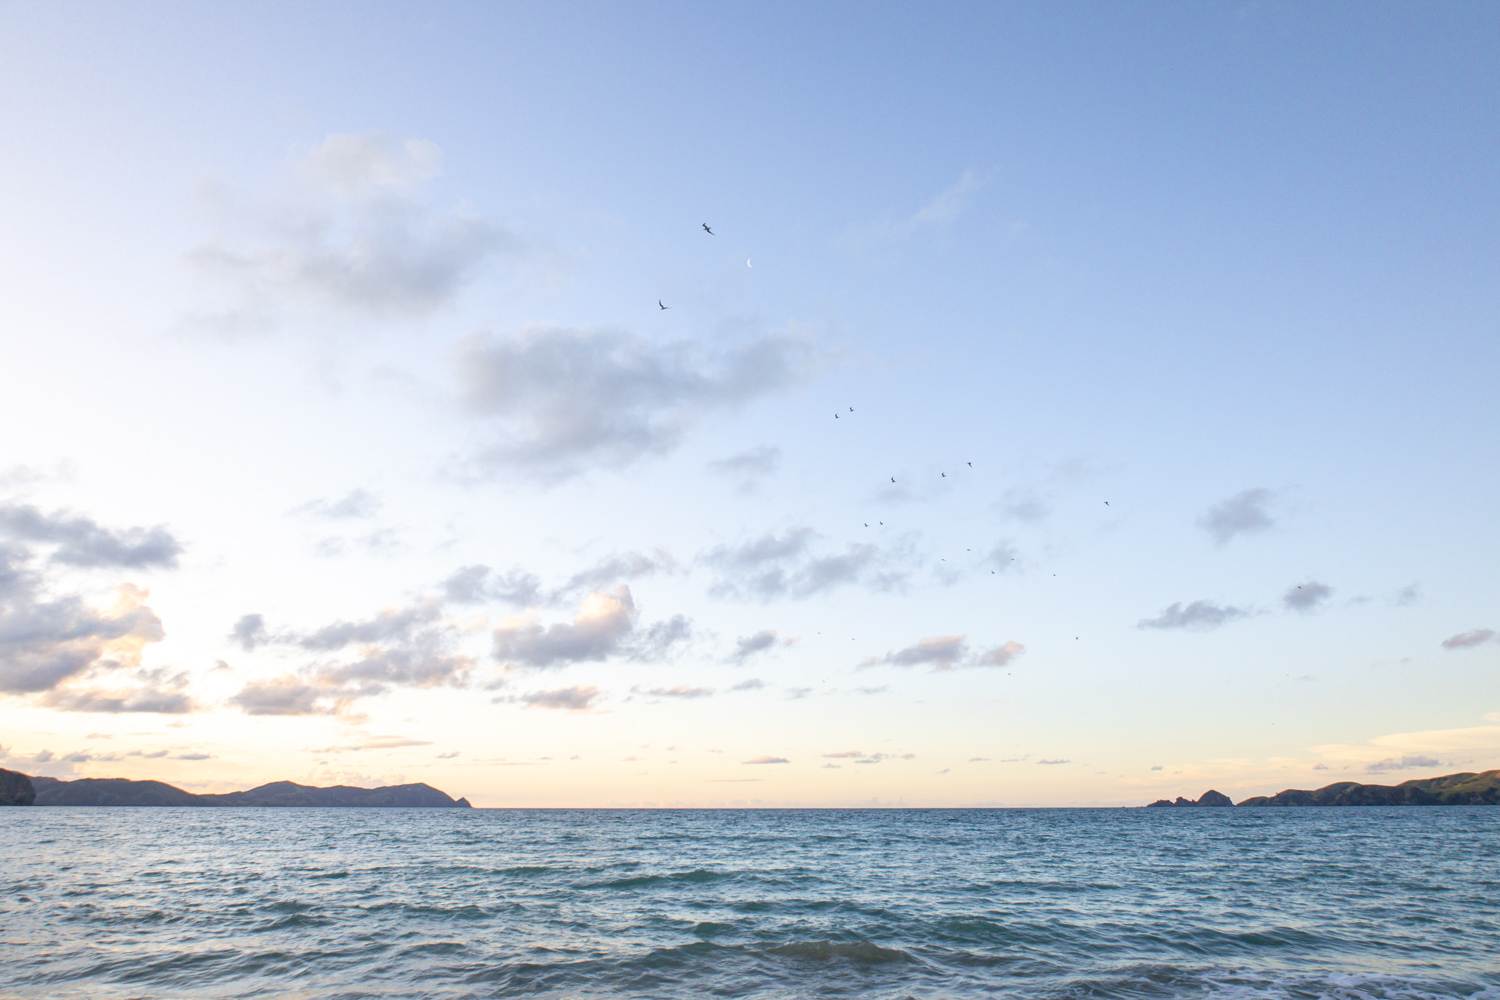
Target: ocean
1364 902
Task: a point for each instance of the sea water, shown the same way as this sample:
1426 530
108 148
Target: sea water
1361 902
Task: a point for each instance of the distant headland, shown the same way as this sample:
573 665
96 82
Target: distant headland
17 789
1466 789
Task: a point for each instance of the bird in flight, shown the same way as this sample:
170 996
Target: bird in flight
943 474
707 230
971 465
893 479
851 409
1106 503
660 305
835 416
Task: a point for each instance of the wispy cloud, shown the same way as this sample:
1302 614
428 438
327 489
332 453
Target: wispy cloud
574 699
1405 763
356 504
748 468
556 403
1469 639
1197 615
755 644
947 652
359 236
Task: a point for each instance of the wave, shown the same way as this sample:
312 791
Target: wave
860 952
697 876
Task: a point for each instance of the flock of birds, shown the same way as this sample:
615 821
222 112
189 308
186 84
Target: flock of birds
837 415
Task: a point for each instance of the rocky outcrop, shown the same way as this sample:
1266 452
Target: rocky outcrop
1208 798
124 792
16 789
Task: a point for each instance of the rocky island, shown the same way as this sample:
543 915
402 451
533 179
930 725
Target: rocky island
1465 789
19 789
1208 798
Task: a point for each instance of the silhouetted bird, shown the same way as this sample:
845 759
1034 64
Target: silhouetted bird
943 474
893 479
1106 503
867 524
707 230
971 465
659 305
851 409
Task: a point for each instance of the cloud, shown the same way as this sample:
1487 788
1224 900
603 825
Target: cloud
1024 505
749 684
679 691
1245 513
47 640
377 743
1470 639
1306 597
604 627
947 652
359 237
784 565
1199 616
560 402
575 699
748 467
1053 761
477 584
1407 596
621 567
941 652
1404 763
748 646
161 691
423 660
286 695
358 165
407 646
939 210
1001 656
766 760
949 203
880 758
81 542
396 623
249 632
356 504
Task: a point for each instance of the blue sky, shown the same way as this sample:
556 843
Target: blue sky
345 300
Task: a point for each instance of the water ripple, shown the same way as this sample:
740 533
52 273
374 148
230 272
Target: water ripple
334 904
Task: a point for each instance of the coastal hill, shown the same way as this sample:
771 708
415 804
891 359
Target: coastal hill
1465 789
16 789
125 792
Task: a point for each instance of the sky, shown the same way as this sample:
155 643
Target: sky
1072 405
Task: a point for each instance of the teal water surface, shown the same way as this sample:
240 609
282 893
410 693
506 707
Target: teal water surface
330 903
